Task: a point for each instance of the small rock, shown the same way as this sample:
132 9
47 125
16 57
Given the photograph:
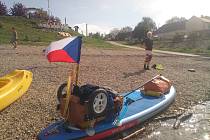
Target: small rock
180 108
191 70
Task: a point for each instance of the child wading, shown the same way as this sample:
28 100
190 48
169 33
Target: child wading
148 43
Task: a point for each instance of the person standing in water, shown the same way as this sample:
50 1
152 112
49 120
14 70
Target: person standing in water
14 38
148 43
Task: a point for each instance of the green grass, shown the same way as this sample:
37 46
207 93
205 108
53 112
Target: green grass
27 31
200 47
196 47
98 43
28 34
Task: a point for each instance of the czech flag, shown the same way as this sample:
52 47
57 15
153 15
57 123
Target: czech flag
65 50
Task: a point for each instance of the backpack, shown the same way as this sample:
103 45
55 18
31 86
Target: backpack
157 86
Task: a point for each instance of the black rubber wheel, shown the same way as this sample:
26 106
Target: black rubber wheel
61 93
62 90
98 103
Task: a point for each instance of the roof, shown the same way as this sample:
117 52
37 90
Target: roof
204 19
171 27
32 9
178 25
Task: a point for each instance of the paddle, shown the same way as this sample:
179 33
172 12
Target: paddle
125 109
141 85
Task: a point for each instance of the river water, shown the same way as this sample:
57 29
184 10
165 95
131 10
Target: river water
196 126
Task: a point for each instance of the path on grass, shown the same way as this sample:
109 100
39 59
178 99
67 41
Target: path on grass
157 51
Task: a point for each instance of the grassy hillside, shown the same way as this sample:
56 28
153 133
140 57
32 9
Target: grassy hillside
30 35
27 31
200 47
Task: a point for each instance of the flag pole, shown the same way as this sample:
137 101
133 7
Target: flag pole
73 77
76 74
69 86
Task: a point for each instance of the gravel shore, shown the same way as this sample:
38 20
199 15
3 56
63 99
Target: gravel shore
120 69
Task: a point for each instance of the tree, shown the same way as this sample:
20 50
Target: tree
126 29
3 9
18 9
124 33
175 19
52 18
57 20
96 35
147 24
41 14
113 33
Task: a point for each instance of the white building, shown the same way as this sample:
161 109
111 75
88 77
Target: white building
194 24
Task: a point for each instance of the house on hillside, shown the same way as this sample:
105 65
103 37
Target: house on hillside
55 27
197 24
36 12
47 22
76 29
167 31
194 24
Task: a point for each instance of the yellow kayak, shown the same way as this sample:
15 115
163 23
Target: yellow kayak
13 86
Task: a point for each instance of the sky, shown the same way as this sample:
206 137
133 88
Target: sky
104 15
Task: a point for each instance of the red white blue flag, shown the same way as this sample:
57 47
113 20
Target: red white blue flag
65 50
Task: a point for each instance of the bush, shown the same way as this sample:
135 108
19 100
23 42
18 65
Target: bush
1 25
33 23
178 38
208 48
3 9
37 39
26 38
18 9
193 36
133 41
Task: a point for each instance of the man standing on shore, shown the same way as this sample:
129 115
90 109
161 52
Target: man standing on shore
148 43
14 38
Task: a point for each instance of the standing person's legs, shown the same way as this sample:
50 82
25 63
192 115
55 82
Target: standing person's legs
145 62
147 59
15 44
12 43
